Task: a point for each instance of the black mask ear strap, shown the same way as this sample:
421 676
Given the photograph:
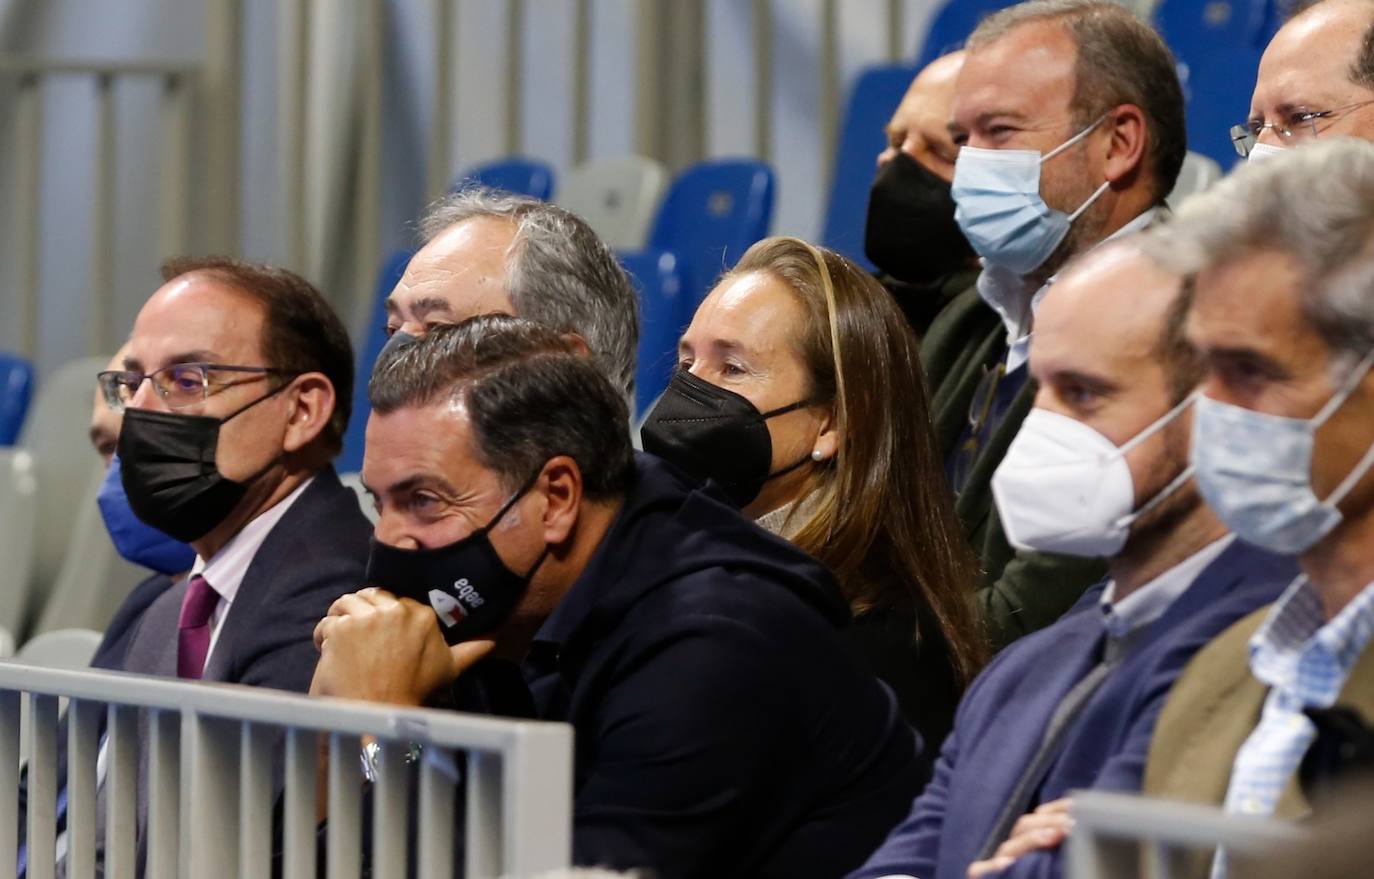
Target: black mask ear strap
505 508
783 410
242 409
789 468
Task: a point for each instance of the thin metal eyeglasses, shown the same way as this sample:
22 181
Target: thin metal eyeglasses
1300 125
181 385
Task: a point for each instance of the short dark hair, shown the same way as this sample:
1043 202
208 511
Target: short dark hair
302 333
1121 60
1182 366
529 394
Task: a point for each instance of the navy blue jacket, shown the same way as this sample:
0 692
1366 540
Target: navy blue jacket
722 726
1001 719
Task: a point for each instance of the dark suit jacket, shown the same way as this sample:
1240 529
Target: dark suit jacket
1003 717
922 303
317 552
722 726
1019 592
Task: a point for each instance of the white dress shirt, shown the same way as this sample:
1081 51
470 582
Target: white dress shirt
225 569
1008 294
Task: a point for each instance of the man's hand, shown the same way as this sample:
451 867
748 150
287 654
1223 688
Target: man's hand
381 648
1045 828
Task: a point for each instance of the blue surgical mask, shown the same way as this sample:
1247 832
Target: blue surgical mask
1255 471
137 542
999 208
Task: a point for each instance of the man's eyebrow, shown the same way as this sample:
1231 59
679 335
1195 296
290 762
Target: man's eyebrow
1096 382
391 306
199 355
419 480
426 304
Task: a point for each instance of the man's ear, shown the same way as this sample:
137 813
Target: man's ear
312 405
1127 145
561 482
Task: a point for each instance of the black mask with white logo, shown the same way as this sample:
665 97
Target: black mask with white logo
470 588
910 232
167 466
714 434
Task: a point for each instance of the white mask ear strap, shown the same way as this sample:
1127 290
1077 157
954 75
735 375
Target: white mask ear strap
1162 496
1160 424
1075 139
1089 203
1351 480
1344 391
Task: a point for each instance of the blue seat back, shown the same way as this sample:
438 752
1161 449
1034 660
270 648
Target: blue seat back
953 23
16 389
1218 45
663 315
350 460
875 97
712 214
517 175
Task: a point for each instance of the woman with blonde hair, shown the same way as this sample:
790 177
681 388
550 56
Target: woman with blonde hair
799 393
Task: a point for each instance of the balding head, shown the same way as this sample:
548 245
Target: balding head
1111 332
920 126
1322 60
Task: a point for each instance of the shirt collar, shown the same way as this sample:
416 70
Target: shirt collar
226 568
1299 653
1149 602
1009 294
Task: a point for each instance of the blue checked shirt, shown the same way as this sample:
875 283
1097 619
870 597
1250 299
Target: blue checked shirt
1305 661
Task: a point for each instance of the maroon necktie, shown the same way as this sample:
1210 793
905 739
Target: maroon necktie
193 628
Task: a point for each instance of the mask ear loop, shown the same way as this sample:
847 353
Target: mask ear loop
1178 481
1354 476
505 508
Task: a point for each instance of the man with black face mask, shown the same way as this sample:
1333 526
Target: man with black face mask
910 233
526 558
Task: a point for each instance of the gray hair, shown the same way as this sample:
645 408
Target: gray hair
1315 203
1121 60
559 273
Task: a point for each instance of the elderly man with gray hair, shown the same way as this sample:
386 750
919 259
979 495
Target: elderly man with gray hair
488 251
1283 446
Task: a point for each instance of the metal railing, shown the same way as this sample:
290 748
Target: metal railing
210 751
1118 836
29 77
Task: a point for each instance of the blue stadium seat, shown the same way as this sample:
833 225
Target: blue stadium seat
713 212
663 315
875 97
518 175
953 23
1218 46
350 460
16 387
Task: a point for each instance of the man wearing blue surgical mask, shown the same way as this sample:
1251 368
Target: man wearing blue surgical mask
169 559
1099 469
1070 121
1283 447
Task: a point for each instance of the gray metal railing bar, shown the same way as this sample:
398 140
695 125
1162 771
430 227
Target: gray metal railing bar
232 702
42 802
121 792
21 65
9 780
302 771
164 794
345 808
83 743
436 807
1106 823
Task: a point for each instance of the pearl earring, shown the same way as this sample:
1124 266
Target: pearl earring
817 456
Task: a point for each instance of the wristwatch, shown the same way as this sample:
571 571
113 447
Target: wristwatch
371 756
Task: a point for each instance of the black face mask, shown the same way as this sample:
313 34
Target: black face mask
910 232
470 588
398 340
167 465
714 434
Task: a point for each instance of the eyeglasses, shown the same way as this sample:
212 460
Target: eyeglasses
1299 126
181 385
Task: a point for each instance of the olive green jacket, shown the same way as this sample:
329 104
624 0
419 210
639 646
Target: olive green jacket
1019 592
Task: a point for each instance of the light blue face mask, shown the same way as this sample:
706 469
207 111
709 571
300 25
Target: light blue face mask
999 208
1255 471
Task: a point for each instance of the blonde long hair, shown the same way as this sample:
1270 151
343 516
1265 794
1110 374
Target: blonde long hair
880 514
